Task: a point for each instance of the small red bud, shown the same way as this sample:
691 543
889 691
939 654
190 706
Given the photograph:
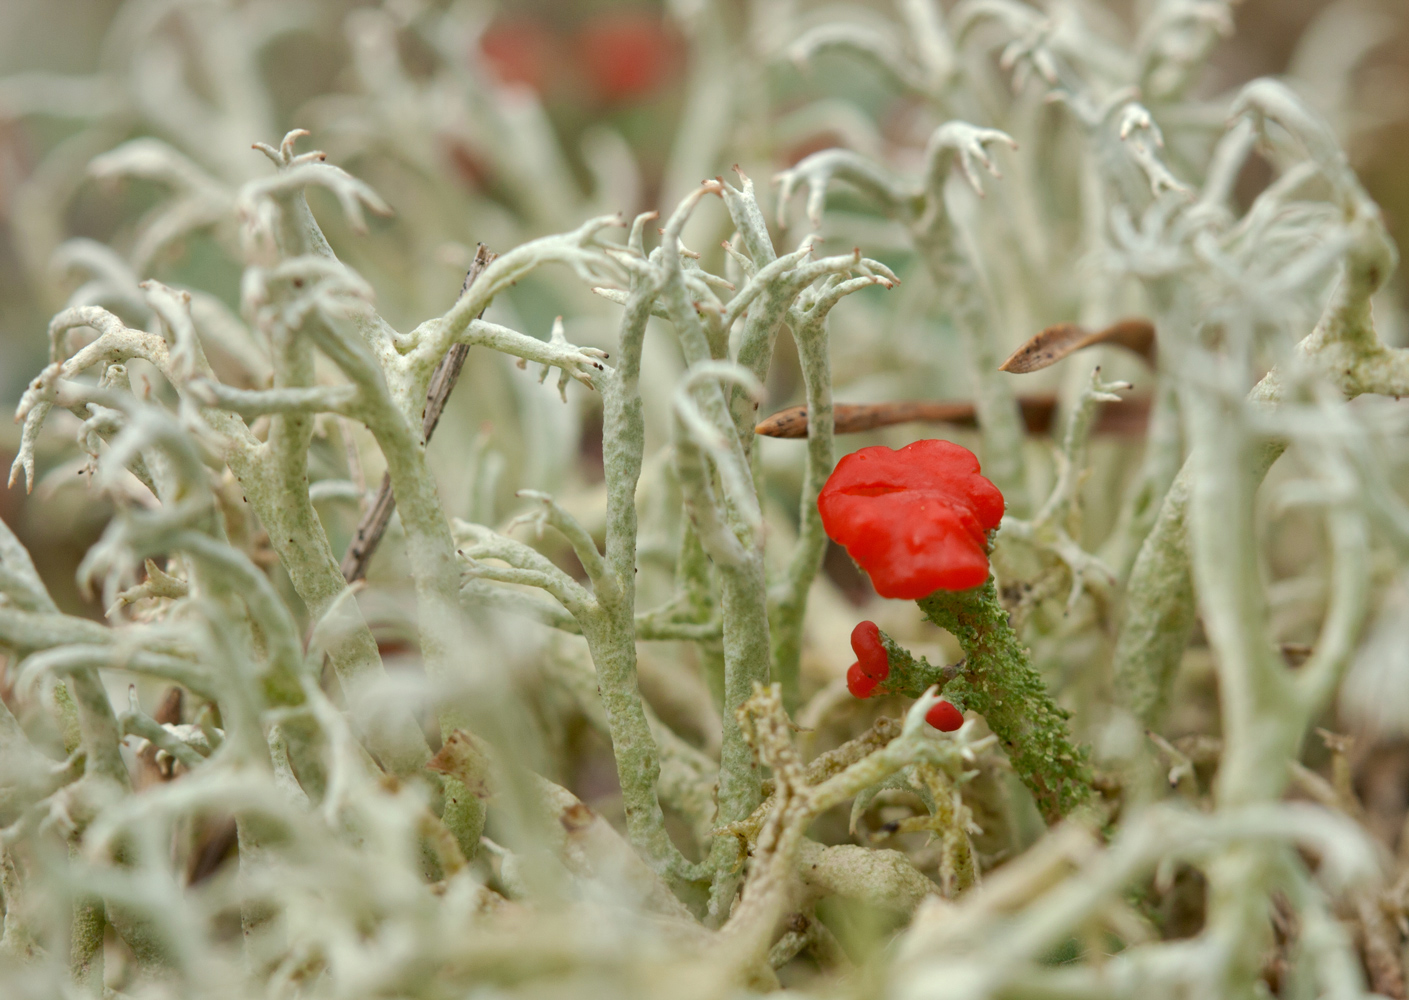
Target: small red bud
945 717
859 683
870 652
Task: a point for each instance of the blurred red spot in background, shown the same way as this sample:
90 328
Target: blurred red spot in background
626 55
519 51
470 167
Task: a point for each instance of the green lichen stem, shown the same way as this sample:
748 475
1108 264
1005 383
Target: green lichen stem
1159 603
611 630
910 677
90 921
995 402
745 663
737 553
999 681
1142 504
788 600
430 551
273 478
1160 608
790 607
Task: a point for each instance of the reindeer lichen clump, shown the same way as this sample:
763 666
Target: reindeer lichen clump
238 784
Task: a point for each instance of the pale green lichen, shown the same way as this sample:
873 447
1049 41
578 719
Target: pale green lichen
231 435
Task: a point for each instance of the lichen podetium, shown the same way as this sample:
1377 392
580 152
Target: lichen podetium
998 681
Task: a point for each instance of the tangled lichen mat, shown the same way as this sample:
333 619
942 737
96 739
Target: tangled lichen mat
905 500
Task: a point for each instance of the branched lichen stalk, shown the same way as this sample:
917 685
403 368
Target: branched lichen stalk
996 404
743 601
789 610
611 630
1159 603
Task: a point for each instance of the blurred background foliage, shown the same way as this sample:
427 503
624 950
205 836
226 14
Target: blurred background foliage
610 80
498 124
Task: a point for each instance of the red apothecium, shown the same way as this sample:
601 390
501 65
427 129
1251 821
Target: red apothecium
914 519
872 665
870 652
520 50
945 717
628 55
860 683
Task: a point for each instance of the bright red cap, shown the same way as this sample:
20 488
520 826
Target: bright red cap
915 519
870 652
944 717
859 683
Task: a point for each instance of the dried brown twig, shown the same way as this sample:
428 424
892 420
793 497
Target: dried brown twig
1126 417
1045 349
376 518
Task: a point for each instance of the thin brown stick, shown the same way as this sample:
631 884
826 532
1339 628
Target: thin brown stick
1125 417
376 518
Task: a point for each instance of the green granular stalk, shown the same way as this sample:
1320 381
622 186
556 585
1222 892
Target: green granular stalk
999 682
911 676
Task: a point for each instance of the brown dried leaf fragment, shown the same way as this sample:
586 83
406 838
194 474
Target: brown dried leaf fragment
1056 342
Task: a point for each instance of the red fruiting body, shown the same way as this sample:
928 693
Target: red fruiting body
870 653
914 519
627 55
859 683
944 717
519 51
